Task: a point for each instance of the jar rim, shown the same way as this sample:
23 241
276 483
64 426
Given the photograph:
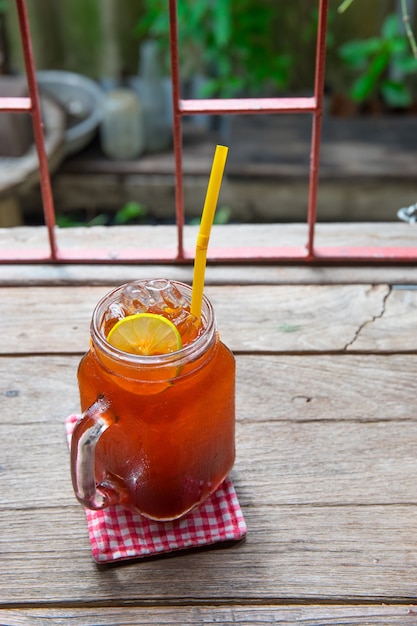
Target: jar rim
187 353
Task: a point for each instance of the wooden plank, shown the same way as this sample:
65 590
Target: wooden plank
364 234
294 388
250 318
38 275
152 238
330 506
308 615
395 325
278 462
291 553
325 467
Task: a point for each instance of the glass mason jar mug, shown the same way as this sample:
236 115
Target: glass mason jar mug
157 432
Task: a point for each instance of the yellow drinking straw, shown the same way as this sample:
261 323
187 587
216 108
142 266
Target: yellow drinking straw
210 203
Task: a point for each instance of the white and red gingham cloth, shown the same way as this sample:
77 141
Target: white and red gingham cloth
117 534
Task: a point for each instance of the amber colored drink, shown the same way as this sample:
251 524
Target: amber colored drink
167 422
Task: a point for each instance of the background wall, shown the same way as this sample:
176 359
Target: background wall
93 37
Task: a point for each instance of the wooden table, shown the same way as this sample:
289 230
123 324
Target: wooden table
326 454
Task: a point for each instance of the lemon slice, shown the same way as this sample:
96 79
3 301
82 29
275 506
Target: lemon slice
146 334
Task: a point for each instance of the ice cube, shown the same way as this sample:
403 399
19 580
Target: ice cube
188 327
168 292
112 315
136 298
156 289
158 296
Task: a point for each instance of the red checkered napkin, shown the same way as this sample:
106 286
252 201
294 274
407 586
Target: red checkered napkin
116 534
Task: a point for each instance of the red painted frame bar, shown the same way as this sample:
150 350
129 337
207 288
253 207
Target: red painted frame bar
32 105
232 106
313 105
247 106
15 105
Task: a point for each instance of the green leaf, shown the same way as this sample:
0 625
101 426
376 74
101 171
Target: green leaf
209 88
362 88
357 53
391 27
406 65
98 220
398 46
129 212
396 94
67 221
379 64
367 83
222 215
191 16
222 23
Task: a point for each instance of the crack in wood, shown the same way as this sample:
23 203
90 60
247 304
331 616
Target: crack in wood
369 321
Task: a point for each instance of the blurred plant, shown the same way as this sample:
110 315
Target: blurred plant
229 42
221 216
131 213
308 31
405 18
382 63
70 221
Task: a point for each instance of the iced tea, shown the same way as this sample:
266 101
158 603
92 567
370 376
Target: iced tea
165 422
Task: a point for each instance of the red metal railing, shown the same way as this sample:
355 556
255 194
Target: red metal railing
32 105
312 105
246 106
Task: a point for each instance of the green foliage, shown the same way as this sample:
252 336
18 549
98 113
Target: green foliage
381 64
231 42
221 216
131 213
69 221
308 29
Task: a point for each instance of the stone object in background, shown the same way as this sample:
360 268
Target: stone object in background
122 131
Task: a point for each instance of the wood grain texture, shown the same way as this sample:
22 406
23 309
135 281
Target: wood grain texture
262 318
282 462
316 439
317 527
334 554
268 389
325 470
364 234
394 326
38 275
308 615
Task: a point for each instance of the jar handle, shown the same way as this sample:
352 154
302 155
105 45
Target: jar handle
86 434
